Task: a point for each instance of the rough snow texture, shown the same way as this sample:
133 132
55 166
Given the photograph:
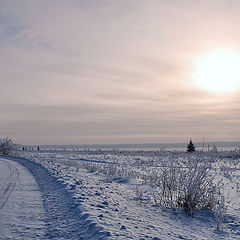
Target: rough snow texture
24 202
111 189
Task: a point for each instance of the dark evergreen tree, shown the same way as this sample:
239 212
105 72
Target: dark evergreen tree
191 147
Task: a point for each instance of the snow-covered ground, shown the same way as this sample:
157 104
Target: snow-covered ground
111 197
21 210
35 205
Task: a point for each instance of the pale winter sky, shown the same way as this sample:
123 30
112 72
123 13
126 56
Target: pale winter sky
119 71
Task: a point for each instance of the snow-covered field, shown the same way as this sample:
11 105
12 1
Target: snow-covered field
116 195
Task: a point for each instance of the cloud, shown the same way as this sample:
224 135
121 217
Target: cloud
95 71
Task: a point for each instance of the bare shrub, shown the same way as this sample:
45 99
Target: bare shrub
189 187
139 194
90 167
220 210
6 146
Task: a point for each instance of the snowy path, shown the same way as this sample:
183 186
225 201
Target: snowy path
21 211
39 207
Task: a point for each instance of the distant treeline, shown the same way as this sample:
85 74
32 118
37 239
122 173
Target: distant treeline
147 145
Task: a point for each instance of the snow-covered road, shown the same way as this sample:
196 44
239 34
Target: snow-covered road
21 210
34 205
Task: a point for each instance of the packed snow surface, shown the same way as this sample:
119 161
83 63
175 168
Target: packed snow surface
21 210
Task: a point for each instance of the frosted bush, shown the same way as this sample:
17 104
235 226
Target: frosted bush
6 146
139 194
220 210
190 187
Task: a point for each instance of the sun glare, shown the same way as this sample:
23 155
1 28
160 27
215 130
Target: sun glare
219 71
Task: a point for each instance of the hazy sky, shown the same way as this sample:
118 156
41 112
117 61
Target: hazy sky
114 71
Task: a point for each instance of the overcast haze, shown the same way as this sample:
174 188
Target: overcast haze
108 71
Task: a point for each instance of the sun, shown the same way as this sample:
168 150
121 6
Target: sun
218 71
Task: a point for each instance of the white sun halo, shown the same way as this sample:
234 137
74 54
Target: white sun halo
218 71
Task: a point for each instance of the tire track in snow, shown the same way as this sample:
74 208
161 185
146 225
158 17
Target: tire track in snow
64 218
9 184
